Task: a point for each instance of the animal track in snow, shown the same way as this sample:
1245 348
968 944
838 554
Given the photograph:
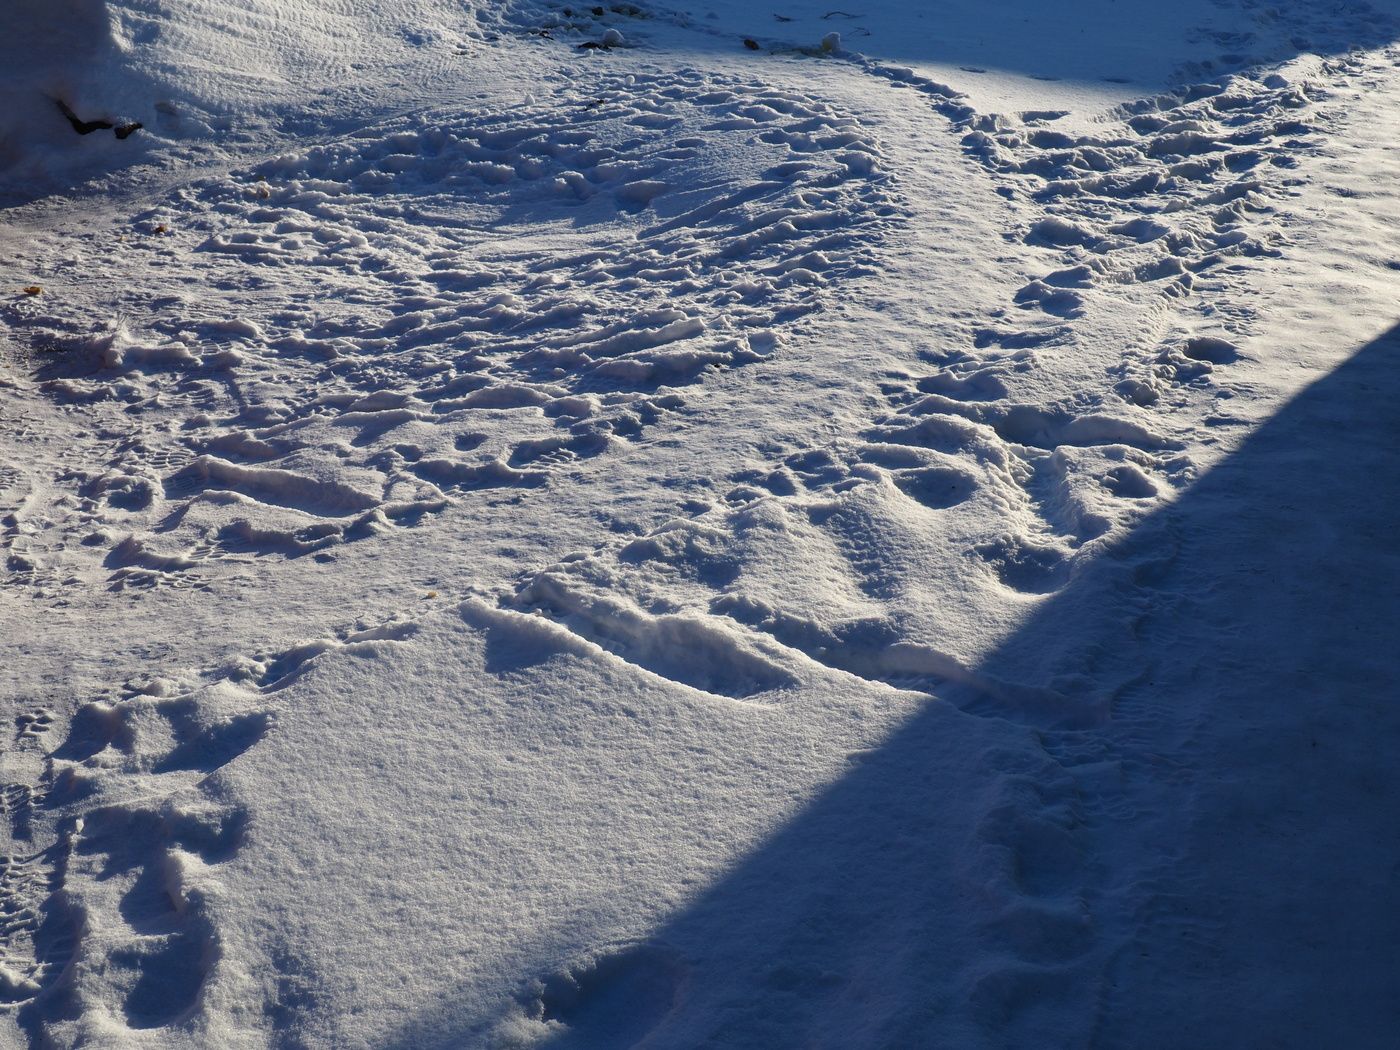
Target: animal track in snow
29 571
270 671
32 727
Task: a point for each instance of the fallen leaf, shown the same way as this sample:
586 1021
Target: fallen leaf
33 289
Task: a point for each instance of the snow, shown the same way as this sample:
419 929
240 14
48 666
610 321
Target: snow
673 526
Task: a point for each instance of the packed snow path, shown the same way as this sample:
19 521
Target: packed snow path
746 551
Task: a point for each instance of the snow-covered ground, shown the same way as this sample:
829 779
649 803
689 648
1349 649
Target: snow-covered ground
647 525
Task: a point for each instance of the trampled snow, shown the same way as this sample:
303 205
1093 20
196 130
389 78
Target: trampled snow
647 525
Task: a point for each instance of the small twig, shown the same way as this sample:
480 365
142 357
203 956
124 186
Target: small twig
87 127
82 127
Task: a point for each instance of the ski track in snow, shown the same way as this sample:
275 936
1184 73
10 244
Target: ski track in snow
483 302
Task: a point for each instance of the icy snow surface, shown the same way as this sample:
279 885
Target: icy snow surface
646 525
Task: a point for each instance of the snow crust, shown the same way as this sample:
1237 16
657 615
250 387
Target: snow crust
667 526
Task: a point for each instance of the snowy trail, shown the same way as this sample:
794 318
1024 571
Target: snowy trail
497 344
675 519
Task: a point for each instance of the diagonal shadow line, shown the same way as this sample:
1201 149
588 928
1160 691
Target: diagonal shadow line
1232 883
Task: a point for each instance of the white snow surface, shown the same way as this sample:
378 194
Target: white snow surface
683 526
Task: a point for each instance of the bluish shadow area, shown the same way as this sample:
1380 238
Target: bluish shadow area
955 888
1278 924
1104 42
